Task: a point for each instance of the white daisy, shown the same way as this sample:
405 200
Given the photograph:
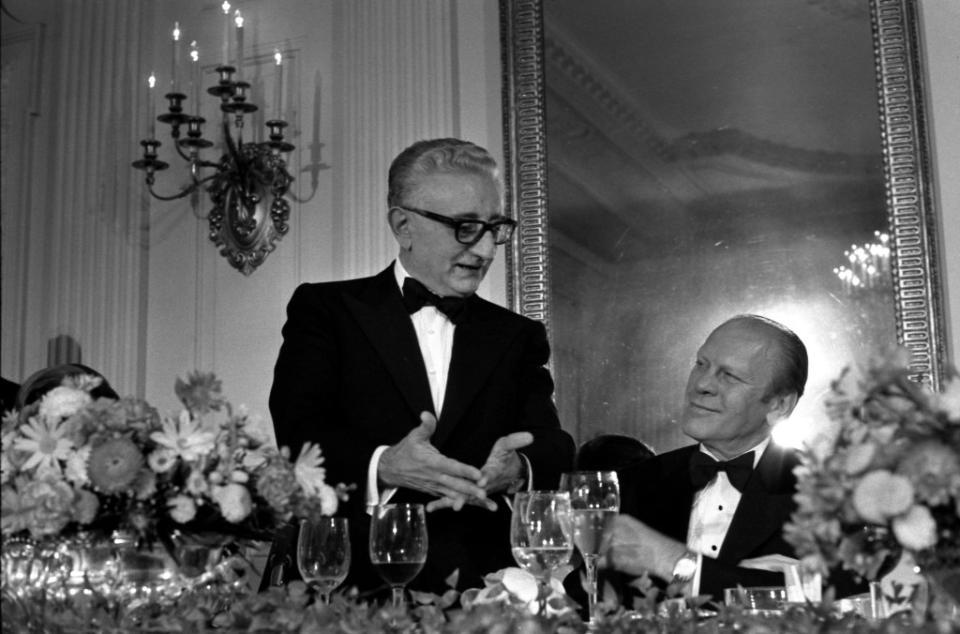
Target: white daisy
310 475
45 441
185 436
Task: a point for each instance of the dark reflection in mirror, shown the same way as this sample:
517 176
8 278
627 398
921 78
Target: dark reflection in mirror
706 159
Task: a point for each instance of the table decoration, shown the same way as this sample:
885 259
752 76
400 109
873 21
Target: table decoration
520 589
109 500
885 478
293 609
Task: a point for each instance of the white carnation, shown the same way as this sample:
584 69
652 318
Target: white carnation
916 529
76 469
881 495
234 501
182 508
62 402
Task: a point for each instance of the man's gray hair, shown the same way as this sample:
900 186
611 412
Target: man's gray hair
432 156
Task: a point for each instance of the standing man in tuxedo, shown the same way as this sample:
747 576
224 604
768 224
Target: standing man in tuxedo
417 389
710 516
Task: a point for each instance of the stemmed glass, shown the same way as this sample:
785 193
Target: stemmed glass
541 534
398 544
595 499
323 553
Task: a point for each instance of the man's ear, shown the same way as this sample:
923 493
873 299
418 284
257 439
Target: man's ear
781 407
400 226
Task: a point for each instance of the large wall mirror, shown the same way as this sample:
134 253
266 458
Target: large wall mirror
675 162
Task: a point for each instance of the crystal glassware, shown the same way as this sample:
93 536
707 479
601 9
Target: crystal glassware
398 544
323 553
595 501
541 534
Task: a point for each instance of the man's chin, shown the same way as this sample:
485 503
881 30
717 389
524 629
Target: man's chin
466 285
696 427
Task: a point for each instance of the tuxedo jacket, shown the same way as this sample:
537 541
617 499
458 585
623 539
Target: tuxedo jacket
350 376
659 493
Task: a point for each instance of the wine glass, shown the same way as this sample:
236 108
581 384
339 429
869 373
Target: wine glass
541 534
595 500
323 553
398 544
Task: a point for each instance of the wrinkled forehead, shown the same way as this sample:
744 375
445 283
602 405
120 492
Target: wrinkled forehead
475 190
746 345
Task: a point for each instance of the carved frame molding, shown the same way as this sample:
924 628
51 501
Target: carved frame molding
909 188
907 176
525 157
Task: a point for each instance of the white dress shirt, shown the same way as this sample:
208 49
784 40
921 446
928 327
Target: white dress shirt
435 336
712 513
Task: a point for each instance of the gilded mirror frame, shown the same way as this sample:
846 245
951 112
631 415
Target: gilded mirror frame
908 186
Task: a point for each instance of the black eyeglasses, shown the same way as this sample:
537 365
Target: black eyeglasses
469 231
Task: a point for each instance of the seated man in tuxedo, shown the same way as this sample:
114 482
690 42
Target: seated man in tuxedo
415 388
710 516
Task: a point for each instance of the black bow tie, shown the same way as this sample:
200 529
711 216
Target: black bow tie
703 469
416 296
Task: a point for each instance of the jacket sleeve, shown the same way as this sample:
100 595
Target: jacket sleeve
716 575
552 450
304 400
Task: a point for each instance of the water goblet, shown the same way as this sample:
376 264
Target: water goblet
595 501
541 534
323 553
398 544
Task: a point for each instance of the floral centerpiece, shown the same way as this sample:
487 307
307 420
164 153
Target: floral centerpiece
885 478
74 464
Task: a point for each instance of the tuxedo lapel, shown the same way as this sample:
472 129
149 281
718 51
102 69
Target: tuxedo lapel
675 497
765 505
379 310
478 343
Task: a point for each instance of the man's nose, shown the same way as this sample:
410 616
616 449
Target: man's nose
705 383
485 247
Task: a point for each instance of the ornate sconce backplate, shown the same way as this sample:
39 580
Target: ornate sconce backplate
250 213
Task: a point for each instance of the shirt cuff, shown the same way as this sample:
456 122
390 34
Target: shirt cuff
524 482
695 582
373 494
527 474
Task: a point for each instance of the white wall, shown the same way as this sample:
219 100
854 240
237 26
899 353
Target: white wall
940 20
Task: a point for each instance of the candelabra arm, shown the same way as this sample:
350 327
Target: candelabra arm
183 155
186 191
203 181
232 148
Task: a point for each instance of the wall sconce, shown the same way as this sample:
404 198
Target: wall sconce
248 183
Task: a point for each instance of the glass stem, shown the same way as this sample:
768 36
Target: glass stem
878 610
590 563
397 596
543 591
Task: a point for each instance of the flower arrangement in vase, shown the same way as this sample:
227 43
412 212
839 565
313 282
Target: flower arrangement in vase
115 468
885 478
